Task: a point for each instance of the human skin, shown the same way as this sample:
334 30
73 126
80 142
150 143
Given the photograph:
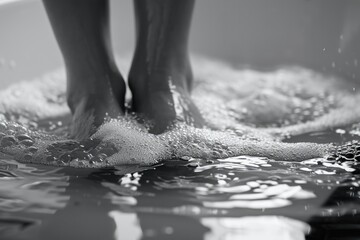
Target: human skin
160 77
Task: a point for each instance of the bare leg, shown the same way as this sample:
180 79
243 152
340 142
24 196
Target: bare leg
95 88
160 77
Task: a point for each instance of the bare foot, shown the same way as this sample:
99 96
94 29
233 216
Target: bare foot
163 97
97 99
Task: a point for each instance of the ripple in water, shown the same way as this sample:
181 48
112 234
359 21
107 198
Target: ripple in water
248 113
250 165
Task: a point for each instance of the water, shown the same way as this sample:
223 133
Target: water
212 188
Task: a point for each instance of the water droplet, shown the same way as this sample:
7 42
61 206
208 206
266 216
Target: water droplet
340 131
96 159
65 158
32 149
50 159
79 154
21 137
27 142
7 141
2 135
193 164
108 151
185 158
3 126
10 132
102 155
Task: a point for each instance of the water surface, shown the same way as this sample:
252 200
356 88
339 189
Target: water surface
238 197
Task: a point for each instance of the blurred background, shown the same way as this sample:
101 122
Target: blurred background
323 35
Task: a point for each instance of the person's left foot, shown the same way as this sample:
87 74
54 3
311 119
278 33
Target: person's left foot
163 98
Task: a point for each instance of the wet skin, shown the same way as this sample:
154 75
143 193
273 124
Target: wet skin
160 77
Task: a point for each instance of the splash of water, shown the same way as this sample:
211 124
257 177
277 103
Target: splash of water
248 113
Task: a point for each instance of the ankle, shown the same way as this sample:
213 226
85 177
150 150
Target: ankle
159 77
96 88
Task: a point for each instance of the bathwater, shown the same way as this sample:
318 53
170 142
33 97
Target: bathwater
278 161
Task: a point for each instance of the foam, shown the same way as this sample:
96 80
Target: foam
134 145
248 112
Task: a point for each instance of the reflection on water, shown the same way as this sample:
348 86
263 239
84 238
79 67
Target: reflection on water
251 228
191 198
242 197
127 225
31 189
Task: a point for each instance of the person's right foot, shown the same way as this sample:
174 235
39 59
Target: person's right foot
93 102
